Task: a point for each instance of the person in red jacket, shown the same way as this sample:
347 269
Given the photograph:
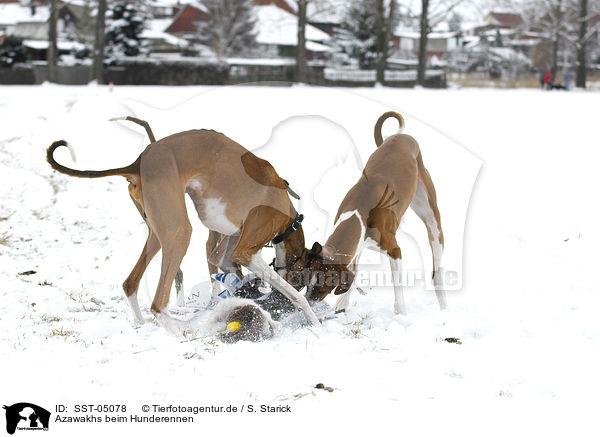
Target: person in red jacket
548 80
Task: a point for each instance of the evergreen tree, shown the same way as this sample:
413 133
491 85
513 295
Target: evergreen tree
365 30
231 28
11 51
124 24
358 36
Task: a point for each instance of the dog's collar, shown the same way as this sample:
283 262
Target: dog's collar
286 267
293 227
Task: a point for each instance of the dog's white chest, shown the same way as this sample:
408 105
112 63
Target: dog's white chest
215 218
212 211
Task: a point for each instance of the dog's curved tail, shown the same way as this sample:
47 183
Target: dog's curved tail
130 171
140 122
382 119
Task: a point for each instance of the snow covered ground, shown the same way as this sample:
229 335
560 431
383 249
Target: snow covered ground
524 306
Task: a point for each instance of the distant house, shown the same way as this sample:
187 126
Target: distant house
184 23
281 4
438 43
505 20
508 22
278 34
276 29
24 21
31 21
326 15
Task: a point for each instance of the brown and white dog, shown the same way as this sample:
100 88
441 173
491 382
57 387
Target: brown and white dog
236 195
394 178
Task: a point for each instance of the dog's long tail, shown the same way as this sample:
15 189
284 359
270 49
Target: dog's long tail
140 122
130 171
382 119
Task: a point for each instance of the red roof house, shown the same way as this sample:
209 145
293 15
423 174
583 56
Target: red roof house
505 19
186 19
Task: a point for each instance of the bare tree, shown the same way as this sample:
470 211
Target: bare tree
301 46
304 17
98 68
52 43
580 80
431 16
231 28
385 24
424 31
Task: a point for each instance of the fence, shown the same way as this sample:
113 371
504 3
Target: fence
194 71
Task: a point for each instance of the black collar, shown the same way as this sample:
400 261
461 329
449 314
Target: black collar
286 267
293 227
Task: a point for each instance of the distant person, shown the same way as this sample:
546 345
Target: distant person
548 80
542 79
568 80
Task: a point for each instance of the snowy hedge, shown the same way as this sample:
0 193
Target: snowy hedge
172 72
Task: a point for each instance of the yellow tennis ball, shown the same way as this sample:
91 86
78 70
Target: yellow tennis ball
234 326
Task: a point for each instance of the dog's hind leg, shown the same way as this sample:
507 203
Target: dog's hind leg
211 245
424 205
164 204
131 284
396 267
179 288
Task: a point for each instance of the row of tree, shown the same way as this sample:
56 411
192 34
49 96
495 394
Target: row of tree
365 33
570 25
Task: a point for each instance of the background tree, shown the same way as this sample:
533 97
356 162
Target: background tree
98 67
367 26
52 42
432 14
231 28
317 7
387 21
301 47
587 13
11 51
580 80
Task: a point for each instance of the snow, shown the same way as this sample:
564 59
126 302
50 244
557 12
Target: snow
276 26
261 61
370 75
323 11
13 13
62 45
158 24
167 37
431 35
526 311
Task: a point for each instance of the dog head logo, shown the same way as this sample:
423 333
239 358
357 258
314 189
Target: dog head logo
25 416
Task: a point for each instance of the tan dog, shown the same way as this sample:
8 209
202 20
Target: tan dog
394 178
236 194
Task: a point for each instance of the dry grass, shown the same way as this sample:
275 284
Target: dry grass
531 80
50 319
60 332
482 81
4 240
355 329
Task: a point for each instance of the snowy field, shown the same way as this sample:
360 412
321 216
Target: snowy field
514 171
